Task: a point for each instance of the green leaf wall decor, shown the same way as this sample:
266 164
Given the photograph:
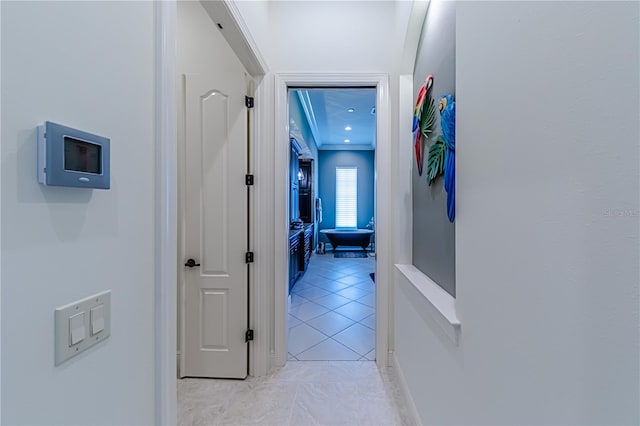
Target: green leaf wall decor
428 120
435 161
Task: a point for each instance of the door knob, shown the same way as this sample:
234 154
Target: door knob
191 263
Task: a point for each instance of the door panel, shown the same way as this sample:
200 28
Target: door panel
216 292
215 159
214 305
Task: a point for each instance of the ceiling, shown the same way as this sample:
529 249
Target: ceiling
328 112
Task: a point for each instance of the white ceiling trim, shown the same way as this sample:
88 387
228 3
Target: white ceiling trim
303 146
303 95
328 110
347 147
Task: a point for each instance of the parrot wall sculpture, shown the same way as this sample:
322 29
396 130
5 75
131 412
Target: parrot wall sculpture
448 125
441 159
424 118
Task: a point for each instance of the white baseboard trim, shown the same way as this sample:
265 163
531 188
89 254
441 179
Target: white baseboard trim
412 411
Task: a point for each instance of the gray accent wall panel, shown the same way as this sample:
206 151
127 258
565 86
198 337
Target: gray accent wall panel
433 234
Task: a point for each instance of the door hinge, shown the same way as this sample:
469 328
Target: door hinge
248 257
248 335
248 101
248 180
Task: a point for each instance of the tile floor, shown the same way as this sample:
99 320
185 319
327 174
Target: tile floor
300 393
332 311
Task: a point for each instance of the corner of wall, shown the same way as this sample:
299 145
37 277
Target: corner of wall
412 38
0 219
166 182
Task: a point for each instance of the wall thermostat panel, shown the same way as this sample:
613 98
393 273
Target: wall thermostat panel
71 157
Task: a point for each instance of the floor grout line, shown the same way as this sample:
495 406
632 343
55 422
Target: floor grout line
333 286
293 405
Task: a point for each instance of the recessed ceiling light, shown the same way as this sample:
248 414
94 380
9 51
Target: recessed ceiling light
347 128
350 109
347 140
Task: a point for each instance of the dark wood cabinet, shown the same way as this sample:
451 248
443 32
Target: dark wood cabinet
300 250
294 199
294 257
305 191
302 211
308 245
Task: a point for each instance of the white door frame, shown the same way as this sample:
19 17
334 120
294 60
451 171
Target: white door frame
166 215
166 220
382 209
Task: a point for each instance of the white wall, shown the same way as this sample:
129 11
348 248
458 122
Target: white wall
88 65
0 225
201 46
547 223
327 36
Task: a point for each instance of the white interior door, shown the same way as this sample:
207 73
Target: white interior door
216 288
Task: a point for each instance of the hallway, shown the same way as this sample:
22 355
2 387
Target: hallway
301 393
520 309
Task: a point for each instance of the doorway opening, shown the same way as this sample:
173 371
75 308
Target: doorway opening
382 203
331 298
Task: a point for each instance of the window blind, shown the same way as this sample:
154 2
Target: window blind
347 197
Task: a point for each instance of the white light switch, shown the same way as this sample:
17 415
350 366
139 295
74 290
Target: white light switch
81 325
97 319
76 329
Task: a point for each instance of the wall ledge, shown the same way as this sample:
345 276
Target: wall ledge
442 306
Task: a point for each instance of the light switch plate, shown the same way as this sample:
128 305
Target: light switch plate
64 347
97 319
77 329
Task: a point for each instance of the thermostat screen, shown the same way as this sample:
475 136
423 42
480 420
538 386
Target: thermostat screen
82 156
